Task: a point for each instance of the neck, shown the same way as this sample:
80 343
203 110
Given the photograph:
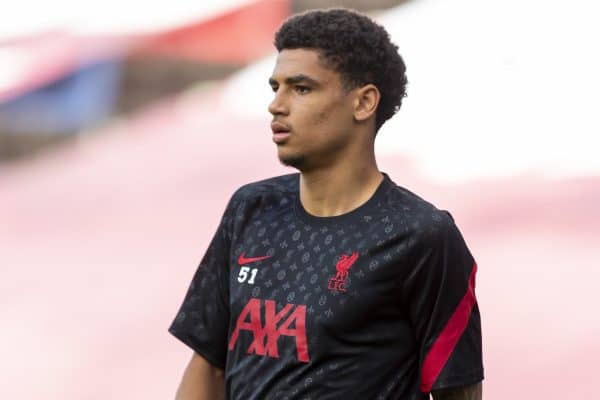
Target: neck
339 188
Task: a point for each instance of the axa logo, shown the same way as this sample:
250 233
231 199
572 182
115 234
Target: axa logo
338 282
276 324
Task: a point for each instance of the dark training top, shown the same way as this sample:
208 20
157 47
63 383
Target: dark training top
377 303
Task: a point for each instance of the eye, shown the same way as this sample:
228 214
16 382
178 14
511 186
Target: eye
302 89
274 88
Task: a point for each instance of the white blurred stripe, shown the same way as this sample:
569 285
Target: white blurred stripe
495 88
30 17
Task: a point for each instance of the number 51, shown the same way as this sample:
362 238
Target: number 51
243 275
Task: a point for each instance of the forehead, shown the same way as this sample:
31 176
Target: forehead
302 62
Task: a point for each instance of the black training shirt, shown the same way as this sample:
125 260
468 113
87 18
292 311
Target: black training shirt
377 303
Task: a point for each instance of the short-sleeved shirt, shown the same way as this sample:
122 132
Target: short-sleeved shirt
378 303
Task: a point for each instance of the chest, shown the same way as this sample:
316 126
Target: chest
289 279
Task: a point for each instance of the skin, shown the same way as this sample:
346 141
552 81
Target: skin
201 381
471 392
332 132
331 142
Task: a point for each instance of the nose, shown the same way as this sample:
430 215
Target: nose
278 105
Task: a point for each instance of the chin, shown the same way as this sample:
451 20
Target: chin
293 160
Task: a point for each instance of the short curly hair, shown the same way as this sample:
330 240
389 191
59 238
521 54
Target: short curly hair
353 45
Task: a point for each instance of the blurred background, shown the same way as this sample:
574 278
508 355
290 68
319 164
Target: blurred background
124 129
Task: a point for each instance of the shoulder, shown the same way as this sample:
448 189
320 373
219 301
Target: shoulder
264 192
276 185
422 220
432 239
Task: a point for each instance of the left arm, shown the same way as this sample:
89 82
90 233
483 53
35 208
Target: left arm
470 392
440 295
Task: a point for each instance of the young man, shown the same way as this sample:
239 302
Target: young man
334 283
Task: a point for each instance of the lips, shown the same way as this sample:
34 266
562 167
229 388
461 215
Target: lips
278 127
281 132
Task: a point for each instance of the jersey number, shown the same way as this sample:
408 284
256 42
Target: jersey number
243 275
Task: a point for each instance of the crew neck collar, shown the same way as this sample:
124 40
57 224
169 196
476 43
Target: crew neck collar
354 215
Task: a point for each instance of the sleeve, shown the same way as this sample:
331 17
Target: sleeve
443 309
203 319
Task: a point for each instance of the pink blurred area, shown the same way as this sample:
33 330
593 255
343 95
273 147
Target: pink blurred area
229 36
100 240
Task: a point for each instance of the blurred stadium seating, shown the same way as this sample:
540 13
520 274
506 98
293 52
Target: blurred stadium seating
101 234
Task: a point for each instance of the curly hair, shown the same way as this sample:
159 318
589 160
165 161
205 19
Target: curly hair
356 47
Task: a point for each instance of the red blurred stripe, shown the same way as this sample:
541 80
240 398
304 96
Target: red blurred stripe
446 342
239 36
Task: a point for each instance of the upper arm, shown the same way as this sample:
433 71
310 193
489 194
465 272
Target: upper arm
201 381
202 321
440 294
470 392
201 365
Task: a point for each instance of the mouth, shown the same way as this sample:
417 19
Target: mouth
281 132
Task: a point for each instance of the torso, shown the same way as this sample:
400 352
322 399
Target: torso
322 316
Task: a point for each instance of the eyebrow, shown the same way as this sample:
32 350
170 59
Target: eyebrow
292 80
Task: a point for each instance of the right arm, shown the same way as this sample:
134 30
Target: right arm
202 322
201 381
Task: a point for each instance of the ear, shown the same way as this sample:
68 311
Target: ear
366 101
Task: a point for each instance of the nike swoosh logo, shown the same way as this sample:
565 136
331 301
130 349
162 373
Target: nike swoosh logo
242 260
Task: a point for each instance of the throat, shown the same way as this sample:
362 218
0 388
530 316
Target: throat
331 195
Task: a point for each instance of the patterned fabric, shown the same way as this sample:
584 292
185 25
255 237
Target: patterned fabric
377 303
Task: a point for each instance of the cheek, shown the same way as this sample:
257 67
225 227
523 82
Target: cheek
313 113
322 117
332 120
313 122
326 115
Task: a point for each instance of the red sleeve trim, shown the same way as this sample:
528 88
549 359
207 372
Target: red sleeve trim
444 345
